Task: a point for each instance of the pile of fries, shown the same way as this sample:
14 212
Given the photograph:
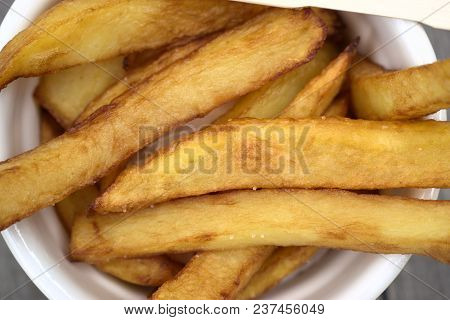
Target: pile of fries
305 134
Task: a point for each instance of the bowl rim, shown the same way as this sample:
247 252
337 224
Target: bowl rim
10 26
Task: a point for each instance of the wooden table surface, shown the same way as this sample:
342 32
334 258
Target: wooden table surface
431 273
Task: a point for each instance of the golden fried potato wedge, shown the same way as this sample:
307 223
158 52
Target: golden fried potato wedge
222 70
49 128
331 19
66 208
88 81
404 94
78 201
279 265
63 36
152 271
138 59
282 217
135 76
131 79
66 93
363 67
268 101
182 258
77 92
284 153
339 107
214 275
141 58
108 180
317 95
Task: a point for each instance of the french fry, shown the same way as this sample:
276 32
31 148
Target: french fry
256 286
317 95
78 201
135 76
363 67
107 180
283 153
152 271
64 88
77 92
214 275
49 128
63 36
404 94
331 19
117 82
222 70
182 258
265 102
279 265
132 78
268 101
339 107
282 217
138 59
271 99
66 93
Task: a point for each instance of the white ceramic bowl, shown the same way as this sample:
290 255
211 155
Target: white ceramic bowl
39 243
